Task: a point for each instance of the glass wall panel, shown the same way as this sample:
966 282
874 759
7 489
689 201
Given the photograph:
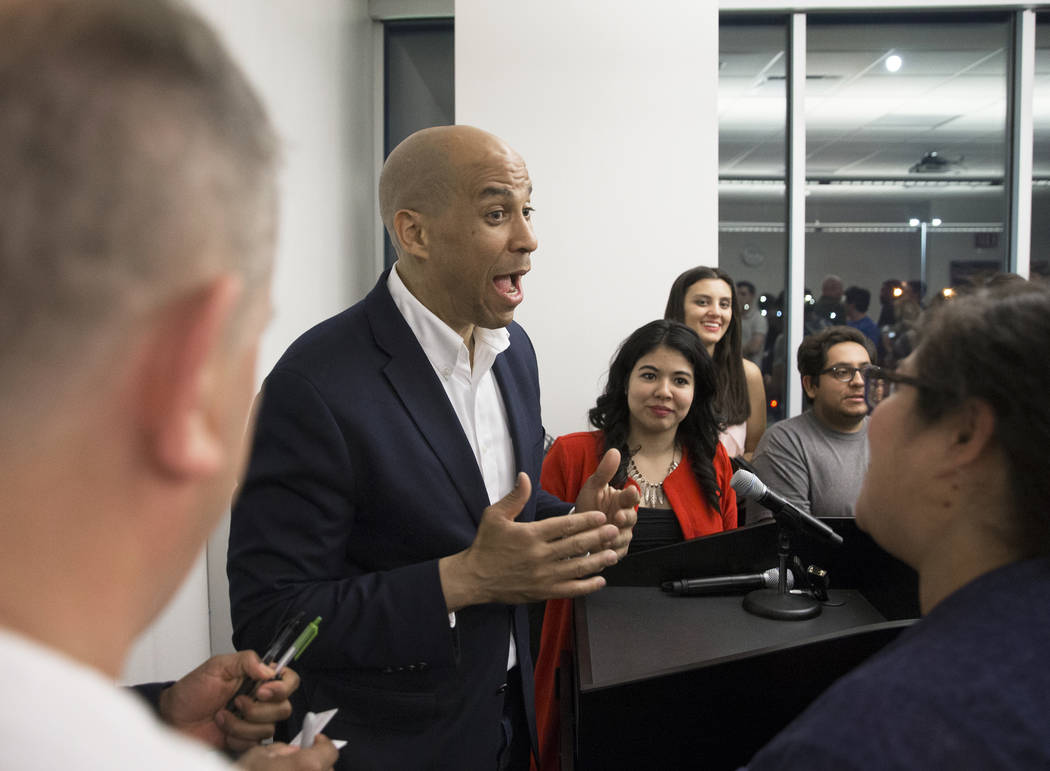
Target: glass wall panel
752 243
1041 151
905 160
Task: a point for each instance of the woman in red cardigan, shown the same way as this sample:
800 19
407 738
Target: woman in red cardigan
657 410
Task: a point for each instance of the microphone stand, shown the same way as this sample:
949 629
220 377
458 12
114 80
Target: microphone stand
778 603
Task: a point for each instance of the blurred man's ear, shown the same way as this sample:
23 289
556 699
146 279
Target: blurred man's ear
179 380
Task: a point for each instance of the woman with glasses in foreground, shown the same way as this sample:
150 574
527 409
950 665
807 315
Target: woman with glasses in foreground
958 487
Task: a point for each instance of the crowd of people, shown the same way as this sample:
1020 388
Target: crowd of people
893 334
394 479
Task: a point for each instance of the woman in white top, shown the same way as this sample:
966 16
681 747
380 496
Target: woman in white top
705 299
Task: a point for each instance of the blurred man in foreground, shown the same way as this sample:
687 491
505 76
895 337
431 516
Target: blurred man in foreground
137 217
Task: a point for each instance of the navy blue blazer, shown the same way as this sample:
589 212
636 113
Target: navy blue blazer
360 479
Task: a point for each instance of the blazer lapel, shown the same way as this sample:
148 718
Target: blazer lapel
413 379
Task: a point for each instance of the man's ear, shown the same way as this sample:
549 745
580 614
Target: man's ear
179 380
809 386
408 227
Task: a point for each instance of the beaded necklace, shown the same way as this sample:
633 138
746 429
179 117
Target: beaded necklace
653 496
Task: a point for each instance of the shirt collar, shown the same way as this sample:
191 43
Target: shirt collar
438 340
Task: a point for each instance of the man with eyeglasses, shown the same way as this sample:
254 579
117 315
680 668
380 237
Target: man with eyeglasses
817 460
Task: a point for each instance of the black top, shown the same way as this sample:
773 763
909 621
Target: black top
655 527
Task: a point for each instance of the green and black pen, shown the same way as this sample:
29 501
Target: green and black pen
281 655
295 650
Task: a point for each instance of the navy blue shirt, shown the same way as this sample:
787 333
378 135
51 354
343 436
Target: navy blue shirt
868 327
968 687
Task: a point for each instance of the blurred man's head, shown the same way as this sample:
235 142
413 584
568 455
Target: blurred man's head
137 165
831 287
456 203
745 292
857 301
137 227
890 291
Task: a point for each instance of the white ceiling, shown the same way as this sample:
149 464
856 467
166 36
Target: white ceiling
863 121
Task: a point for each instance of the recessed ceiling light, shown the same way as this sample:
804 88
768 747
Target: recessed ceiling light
893 62
936 221
914 222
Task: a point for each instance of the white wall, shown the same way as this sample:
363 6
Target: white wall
313 64
612 105
179 639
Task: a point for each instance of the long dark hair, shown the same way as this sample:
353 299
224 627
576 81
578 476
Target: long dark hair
731 399
698 431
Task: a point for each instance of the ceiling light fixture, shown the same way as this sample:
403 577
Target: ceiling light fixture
935 163
893 63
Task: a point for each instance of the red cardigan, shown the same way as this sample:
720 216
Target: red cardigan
573 458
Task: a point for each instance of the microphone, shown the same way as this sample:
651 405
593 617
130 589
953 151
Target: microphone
750 488
768 579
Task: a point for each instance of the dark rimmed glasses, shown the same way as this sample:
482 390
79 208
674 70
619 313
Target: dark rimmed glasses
843 372
880 384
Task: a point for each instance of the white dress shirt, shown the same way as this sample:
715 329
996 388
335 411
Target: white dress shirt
472 391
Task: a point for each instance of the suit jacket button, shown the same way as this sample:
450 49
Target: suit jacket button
502 688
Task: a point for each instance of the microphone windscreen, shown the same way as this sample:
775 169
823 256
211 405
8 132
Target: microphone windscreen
747 485
772 578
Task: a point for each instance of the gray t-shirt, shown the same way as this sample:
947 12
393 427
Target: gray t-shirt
814 467
753 323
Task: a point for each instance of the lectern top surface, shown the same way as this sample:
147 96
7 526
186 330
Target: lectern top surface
632 633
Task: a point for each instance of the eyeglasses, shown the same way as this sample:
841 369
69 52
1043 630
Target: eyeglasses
880 384
843 372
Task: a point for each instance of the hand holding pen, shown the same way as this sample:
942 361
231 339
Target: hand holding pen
279 654
288 631
193 705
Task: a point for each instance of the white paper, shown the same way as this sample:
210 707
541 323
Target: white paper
313 724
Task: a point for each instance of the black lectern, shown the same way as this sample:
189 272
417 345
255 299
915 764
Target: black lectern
663 681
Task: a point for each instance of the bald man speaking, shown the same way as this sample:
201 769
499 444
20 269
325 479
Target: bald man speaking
390 488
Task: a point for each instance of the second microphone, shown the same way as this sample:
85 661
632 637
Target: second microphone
768 579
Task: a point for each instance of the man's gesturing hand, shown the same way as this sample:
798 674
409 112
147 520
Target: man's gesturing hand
515 562
618 506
